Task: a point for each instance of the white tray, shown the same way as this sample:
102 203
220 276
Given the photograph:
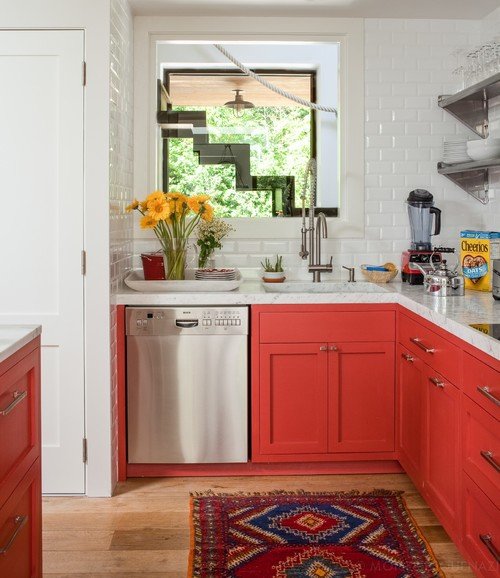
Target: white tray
135 280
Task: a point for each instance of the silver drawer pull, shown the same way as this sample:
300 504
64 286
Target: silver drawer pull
333 348
19 521
407 357
488 456
485 390
18 398
437 382
488 542
323 348
418 342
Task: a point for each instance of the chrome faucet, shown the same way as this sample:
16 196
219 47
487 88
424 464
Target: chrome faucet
316 232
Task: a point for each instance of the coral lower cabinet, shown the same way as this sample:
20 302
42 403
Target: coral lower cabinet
480 427
449 436
428 416
323 383
20 489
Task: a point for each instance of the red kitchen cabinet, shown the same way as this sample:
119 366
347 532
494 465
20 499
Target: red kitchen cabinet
20 529
361 397
410 414
293 414
316 399
20 486
442 448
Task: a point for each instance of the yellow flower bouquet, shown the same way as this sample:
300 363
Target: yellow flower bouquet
173 217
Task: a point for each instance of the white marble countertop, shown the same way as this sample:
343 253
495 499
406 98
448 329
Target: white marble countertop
452 314
13 337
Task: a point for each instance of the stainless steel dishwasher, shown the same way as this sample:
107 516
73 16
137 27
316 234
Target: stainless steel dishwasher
187 384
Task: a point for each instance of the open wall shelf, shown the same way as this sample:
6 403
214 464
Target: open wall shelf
470 107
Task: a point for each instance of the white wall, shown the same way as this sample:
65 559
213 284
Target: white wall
93 17
407 65
121 158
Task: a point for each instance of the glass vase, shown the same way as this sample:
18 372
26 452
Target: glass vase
175 260
206 260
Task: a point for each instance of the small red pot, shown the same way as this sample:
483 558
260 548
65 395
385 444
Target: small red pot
152 265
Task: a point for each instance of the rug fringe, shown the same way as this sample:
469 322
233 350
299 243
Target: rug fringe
423 540
348 494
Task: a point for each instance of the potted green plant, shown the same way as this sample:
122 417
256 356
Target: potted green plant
273 273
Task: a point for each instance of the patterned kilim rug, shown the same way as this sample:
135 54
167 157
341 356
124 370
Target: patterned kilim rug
306 535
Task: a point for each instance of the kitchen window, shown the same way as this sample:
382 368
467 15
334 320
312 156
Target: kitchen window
171 43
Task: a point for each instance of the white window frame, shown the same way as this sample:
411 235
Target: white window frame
347 32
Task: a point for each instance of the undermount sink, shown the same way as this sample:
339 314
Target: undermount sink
324 287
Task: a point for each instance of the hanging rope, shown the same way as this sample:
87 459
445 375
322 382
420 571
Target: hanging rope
272 86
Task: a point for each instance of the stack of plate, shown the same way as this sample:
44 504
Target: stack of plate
215 274
455 151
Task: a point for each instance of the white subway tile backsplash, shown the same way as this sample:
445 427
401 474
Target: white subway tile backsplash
249 246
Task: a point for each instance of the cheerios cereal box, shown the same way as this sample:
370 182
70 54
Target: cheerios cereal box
477 251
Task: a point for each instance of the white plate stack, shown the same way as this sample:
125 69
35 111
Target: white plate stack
494 117
228 274
455 150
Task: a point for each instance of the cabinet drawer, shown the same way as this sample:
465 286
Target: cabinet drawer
482 384
481 448
481 537
314 326
20 529
436 351
19 420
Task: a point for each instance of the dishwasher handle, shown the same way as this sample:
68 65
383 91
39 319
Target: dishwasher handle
186 323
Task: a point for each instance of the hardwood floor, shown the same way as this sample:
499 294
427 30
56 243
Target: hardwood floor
143 532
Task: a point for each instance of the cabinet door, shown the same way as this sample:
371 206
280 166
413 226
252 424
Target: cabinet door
20 529
442 449
293 398
410 413
361 400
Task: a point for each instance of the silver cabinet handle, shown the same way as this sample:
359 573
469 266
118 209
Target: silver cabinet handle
408 357
488 542
437 382
418 343
333 348
485 390
18 398
323 348
488 456
19 521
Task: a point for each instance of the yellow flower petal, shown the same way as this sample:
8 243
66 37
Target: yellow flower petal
154 196
148 222
159 209
133 205
207 212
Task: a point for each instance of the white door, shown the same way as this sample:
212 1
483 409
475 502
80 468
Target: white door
41 228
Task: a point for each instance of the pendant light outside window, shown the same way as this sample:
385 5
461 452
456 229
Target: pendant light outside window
238 104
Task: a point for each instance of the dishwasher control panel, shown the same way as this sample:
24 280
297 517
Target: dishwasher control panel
199 320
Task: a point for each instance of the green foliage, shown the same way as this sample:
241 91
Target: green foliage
276 268
279 139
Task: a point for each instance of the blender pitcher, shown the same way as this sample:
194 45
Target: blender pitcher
420 212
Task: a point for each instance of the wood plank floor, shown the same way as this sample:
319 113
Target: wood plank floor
143 532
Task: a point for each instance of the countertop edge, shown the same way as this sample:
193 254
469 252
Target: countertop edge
439 312
17 343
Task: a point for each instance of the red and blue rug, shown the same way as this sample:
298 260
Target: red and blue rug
306 535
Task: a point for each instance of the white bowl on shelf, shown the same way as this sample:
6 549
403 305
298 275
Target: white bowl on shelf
480 150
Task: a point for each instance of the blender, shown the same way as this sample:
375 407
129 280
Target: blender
425 222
